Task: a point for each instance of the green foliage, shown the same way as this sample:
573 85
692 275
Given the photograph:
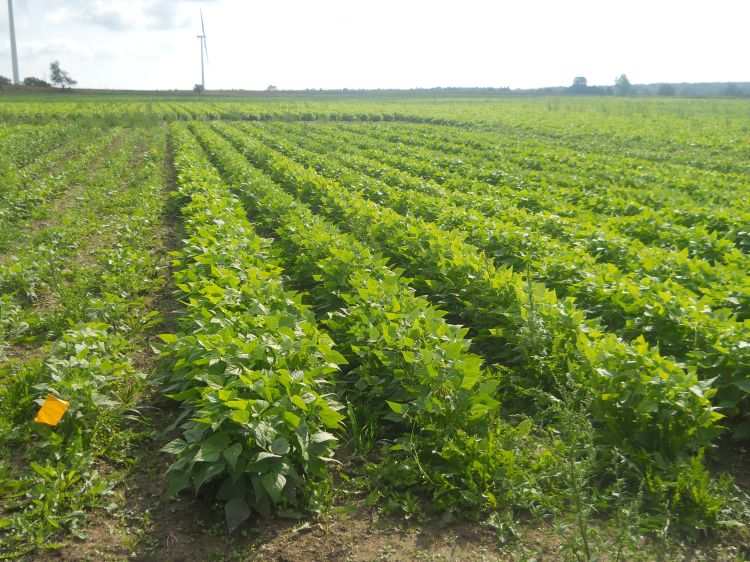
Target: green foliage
59 76
410 372
585 264
50 476
623 87
90 369
249 365
655 425
37 82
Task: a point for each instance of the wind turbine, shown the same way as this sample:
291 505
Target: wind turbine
13 53
202 37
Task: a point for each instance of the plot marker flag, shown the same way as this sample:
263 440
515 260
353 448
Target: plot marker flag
51 411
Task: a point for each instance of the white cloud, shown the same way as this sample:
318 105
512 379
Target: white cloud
59 47
121 15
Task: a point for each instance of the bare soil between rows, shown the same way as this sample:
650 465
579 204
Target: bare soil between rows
148 526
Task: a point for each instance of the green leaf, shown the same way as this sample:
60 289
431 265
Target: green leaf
697 390
322 437
648 405
333 356
168 338
205 472
273 483
478 411
195 433
232 453
292 419
524 427
453 350
471 367
236 511
212 447
178 481
265 455
469 380
174 447
280 446
299 402
395 406
264 433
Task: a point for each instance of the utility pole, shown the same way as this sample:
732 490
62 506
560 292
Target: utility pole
13 53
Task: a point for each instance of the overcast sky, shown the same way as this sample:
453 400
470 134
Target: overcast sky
297 44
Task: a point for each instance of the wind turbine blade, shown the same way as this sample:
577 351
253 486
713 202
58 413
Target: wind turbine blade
205 48
203 29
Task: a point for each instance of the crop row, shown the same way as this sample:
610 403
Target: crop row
21 143
89 311
30 187
490 154
642 403
44 249
409 377
534 233
249 365
536 180
676 319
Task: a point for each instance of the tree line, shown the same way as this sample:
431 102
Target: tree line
623 87
58 77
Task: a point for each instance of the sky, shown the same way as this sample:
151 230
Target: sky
300 44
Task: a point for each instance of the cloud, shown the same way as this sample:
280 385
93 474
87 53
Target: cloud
55 48
66 49
110 17
122 15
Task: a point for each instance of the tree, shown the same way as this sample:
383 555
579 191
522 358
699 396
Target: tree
198 88
731 91
271 88
666 90
580 85
59 76
33 81
623 87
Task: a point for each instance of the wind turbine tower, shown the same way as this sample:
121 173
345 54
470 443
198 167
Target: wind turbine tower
13 53
202 37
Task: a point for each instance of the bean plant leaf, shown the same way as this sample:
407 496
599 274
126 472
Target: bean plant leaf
322 437
212 447
178 481
174 447
232 453
280 446
236 511
273 483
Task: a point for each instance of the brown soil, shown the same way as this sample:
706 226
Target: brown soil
149 527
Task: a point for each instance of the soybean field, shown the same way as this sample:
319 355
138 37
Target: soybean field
359 328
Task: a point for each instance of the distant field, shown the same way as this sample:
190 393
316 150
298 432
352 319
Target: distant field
522 324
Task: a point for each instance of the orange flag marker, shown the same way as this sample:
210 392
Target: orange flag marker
51 411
